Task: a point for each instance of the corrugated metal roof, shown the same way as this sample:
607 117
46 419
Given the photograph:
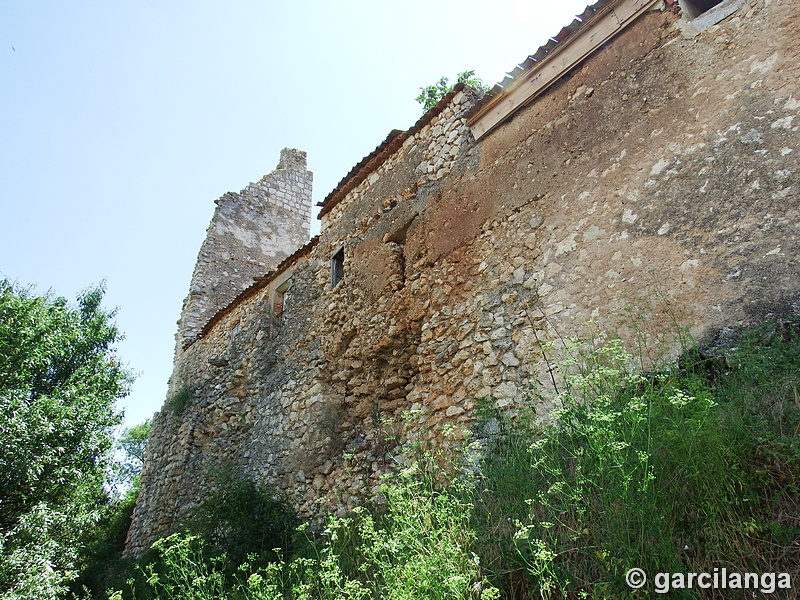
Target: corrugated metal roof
581 22
363 169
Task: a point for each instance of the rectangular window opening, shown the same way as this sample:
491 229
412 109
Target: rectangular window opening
278 307
337 267
279 298
277 304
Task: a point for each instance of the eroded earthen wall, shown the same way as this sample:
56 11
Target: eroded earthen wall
660 174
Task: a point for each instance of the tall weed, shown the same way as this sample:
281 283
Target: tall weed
417 543
663 471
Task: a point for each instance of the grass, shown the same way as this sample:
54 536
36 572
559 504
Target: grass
177 402
685 470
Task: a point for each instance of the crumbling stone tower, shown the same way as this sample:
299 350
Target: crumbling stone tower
250 234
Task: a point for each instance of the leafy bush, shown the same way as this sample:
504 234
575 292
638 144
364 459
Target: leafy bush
429 96
244 521
417 545
101 561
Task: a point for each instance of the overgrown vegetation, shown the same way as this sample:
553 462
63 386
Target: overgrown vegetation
416 543
177 402
685 470
430 95
688 469
693 467
100 557
244 522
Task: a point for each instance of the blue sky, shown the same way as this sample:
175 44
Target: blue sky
122 122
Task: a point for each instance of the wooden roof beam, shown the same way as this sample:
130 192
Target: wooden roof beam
605 24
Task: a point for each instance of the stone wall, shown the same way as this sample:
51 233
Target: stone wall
251 233
233 376
653 186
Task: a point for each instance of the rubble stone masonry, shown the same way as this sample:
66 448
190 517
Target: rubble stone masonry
250 233
660 173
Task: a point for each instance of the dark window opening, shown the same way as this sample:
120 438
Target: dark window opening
695 8
337 267
234 334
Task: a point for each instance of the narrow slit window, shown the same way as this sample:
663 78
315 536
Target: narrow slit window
337 267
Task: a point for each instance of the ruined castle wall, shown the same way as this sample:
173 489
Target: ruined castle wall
206 417
251 233
427 155
264 395
658 175
670 180
233 417
652 187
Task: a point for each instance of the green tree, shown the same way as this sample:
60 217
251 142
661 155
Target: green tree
430 96
101 559
133 444
59 379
